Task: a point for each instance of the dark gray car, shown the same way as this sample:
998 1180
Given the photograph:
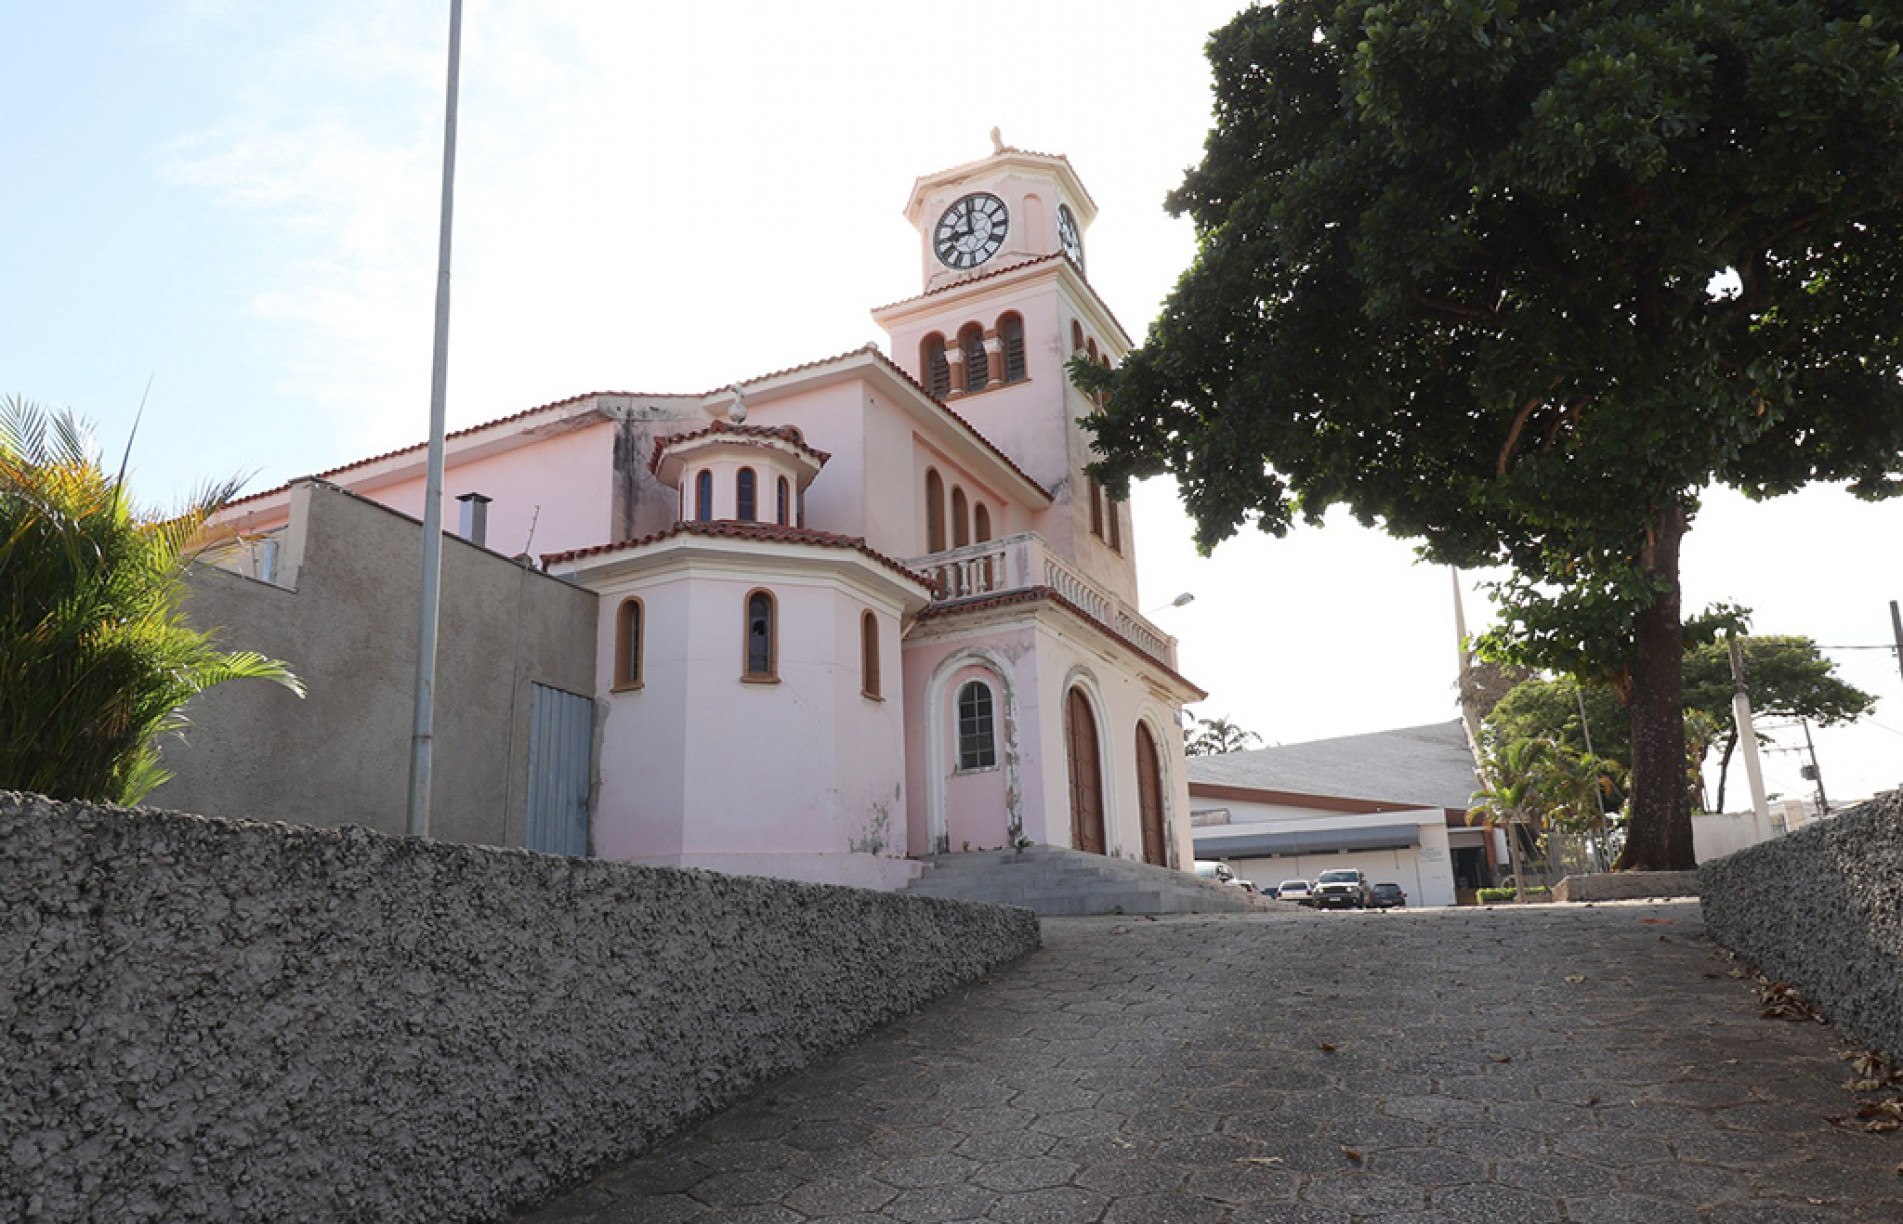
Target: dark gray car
1342 888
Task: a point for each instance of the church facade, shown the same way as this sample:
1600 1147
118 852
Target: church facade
863 610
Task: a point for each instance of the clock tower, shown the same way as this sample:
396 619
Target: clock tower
987 215
1005 303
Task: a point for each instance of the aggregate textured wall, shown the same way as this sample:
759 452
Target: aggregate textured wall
215 1019
1822 909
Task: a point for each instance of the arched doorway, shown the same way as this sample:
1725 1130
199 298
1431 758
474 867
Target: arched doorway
1150 798
1086 778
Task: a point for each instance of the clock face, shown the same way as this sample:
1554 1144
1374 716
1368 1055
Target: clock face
1067 235
971 231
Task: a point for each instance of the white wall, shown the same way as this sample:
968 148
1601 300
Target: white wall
1425 873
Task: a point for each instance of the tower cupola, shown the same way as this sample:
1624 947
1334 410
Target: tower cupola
738 473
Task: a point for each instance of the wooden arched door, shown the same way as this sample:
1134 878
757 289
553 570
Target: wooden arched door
1086 778
1150 798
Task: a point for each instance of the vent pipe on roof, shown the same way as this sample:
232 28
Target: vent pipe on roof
475 518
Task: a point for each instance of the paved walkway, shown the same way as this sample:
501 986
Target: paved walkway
1553 1063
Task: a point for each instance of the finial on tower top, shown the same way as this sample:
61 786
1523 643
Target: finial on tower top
737 411
997 141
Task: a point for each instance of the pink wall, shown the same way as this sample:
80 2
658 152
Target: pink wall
569 477
1034 421
699 763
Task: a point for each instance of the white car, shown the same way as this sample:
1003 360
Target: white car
1219 872
1299 891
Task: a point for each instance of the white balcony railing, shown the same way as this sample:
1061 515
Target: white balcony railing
1019 561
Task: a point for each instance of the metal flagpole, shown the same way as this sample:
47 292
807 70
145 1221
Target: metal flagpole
426 620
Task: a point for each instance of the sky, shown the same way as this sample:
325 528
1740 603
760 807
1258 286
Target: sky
224 212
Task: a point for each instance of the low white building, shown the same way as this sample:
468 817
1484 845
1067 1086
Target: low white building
1393 803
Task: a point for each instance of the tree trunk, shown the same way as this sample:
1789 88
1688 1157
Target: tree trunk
1659 834
1724 768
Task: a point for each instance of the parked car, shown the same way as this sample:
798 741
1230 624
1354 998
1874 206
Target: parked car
1299 891
1388 896
1342 888
1221 873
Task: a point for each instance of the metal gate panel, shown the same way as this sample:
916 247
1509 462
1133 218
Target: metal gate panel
561 749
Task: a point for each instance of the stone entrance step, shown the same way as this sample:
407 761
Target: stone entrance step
1069 883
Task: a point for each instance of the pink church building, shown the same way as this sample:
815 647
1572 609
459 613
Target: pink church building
860 611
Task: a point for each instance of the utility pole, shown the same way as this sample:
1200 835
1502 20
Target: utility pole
1816 772
1598 790
431 601
1748 737
1896 626
1467 720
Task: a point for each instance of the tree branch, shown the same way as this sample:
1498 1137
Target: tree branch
1519 423
1459 310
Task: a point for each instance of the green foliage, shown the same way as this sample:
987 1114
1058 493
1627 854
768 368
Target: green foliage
1502 896
1541 782
1215 736
95 656
1520 281
1787 677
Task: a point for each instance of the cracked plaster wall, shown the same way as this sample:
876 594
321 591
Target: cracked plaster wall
213 1019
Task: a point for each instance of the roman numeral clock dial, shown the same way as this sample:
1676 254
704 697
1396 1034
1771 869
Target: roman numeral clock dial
971 231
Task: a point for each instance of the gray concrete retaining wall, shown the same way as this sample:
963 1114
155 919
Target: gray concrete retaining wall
1627 886
212 1019
345 621
1822 909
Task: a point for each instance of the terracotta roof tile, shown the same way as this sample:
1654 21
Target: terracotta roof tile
874 351
972 280
730 530
1044 594
869 349
972 165
454 433
1041 259
785 433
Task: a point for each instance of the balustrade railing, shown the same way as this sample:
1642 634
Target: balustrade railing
1019 561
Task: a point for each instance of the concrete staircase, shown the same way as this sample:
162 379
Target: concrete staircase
1066 883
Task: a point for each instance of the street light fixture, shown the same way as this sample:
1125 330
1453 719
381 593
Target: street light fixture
1179 601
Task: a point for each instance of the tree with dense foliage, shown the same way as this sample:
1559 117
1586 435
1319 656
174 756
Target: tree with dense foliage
1215 736
1786 677
96 658
1512 796
1520 283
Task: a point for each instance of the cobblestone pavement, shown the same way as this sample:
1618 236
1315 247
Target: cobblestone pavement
1553 1063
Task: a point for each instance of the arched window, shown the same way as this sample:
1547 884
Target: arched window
746 495
704 497
961 519
762 652
1011 338
1096 507
783 504
1076 335
1113 512
1090 347
934 511
628 629
980 523
869 653
799 508
934 369
977 741
971 339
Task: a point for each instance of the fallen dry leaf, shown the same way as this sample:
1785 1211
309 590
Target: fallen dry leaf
1351 1154
1575 978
